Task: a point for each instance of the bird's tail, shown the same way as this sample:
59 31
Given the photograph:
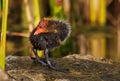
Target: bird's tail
62 28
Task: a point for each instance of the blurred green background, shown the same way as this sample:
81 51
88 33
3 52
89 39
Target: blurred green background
95 26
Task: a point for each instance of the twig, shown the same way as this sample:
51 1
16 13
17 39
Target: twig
29 15
18 34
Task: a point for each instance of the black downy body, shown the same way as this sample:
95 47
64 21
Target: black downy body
58 32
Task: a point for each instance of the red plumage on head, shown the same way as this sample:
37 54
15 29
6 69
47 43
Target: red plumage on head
41 28
41 23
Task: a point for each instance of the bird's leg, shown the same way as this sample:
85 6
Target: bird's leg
50 65
47 59
38 59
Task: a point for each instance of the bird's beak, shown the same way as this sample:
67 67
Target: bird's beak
40 30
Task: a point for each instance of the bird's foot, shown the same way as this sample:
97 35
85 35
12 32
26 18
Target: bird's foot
39 60
52 66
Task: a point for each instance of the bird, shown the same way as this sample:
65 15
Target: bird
49 34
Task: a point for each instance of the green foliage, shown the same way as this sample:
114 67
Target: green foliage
0 12
3 35
36 12
56 10
1 6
